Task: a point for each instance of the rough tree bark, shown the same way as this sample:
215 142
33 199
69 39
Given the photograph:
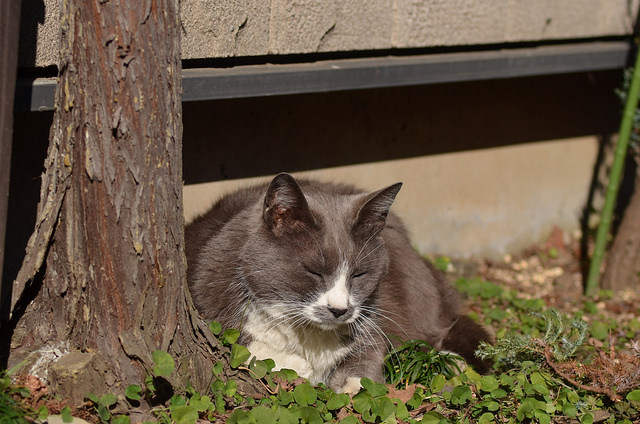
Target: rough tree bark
103 282
623 261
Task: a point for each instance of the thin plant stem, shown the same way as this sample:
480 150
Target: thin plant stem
624 133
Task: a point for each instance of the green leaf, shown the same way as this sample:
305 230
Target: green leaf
525 410
375 389
230 387
286 416
460 395
337 401
351 419
634 395
383 407
220 403
287 374
543 417
473 376
437 383
600 330
23 391
310 415
270 363
442 263
201 404
93 398
217 386
258 367
164 364
489 383
263 415
486 418
573 397
433 417
285 397
570 410
218 369
540 388
65 413
103 413
133 392
498 393
362 402
490 405
537 378
590 307
215 327
239 355
239 416
586 419
185 414
230 336
108 400
43 413
121 419
402 412
148 383
177 400
304 394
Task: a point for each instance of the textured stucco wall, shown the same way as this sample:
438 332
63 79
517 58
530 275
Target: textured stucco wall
227 28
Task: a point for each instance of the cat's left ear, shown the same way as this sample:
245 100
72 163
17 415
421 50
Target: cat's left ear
285 207
372 215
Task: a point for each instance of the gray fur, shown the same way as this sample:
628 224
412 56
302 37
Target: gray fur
279 244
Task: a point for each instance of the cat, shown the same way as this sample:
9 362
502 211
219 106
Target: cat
322 279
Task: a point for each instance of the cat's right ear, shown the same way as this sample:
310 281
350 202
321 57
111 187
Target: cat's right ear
372 215
285 208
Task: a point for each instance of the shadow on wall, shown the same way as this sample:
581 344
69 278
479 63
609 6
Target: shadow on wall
251 137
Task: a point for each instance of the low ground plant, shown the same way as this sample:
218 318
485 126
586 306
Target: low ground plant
549 367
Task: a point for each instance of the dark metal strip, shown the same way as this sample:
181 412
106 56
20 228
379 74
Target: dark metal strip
390 71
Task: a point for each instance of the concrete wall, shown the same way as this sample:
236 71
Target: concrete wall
228 28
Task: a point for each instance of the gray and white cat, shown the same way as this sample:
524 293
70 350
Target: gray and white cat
321 278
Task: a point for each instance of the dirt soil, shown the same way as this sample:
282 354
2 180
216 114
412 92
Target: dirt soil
553 272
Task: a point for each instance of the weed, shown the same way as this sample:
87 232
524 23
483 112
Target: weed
12 408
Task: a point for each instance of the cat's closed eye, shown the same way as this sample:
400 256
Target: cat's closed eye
315 274
358 275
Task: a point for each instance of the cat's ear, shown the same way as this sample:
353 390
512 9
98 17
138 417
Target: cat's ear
285 207
372 215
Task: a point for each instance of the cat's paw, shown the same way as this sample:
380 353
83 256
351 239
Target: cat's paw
352 385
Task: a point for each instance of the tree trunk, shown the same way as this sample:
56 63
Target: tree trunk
623 263
103 282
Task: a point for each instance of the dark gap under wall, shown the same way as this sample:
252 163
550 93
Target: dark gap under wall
250 137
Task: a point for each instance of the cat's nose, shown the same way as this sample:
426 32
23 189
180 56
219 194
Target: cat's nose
337 312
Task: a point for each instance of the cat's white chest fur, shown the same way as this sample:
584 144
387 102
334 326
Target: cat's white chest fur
313 353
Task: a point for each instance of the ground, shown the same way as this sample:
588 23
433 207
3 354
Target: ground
503 295
553 273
